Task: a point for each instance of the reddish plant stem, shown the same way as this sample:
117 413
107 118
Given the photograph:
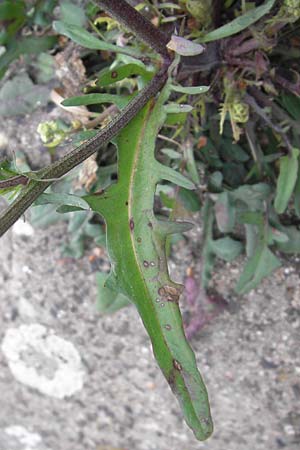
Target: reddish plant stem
122 11
138 24
14 181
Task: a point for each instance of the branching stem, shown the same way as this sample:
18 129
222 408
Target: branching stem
120 10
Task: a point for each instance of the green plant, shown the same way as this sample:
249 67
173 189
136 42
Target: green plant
250 172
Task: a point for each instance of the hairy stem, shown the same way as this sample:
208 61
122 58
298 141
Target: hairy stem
141 27
124 13
80 153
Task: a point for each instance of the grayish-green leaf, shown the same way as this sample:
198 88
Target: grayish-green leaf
240 23
174 108
109 301
72 14
62 199
97 99
226 248
225 212
286 180
259 266
191 90
20 96
88 40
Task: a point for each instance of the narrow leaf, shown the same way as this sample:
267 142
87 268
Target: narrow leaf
62 199
297 195
286 180
107 77
97 99
240 23
226 248
191 90
88 40
259 266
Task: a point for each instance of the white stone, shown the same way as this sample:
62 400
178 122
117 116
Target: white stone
21 228
26 309
65 374
3 137
28 440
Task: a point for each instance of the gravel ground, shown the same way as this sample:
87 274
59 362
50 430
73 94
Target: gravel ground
86 381
72 380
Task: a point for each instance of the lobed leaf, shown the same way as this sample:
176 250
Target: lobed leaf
136 242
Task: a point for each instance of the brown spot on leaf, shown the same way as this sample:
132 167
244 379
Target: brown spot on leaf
114 74
161 291
131 224
139 240
169 293
150 225
145 264
126 203
177 365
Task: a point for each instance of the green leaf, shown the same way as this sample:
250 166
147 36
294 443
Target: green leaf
189 199
252 195
274 235
12 10
35 45
297 195
292 246
175 108
215 181
191 166
109 301
63 199
259 266
45 215
230 151
88 40
292 104
136 242
72 14
226 248
208 256
225 212
27 45
171 153
240 23
96 99
20 96
45 68
76 227
107 77
286 181
191 90
252 218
